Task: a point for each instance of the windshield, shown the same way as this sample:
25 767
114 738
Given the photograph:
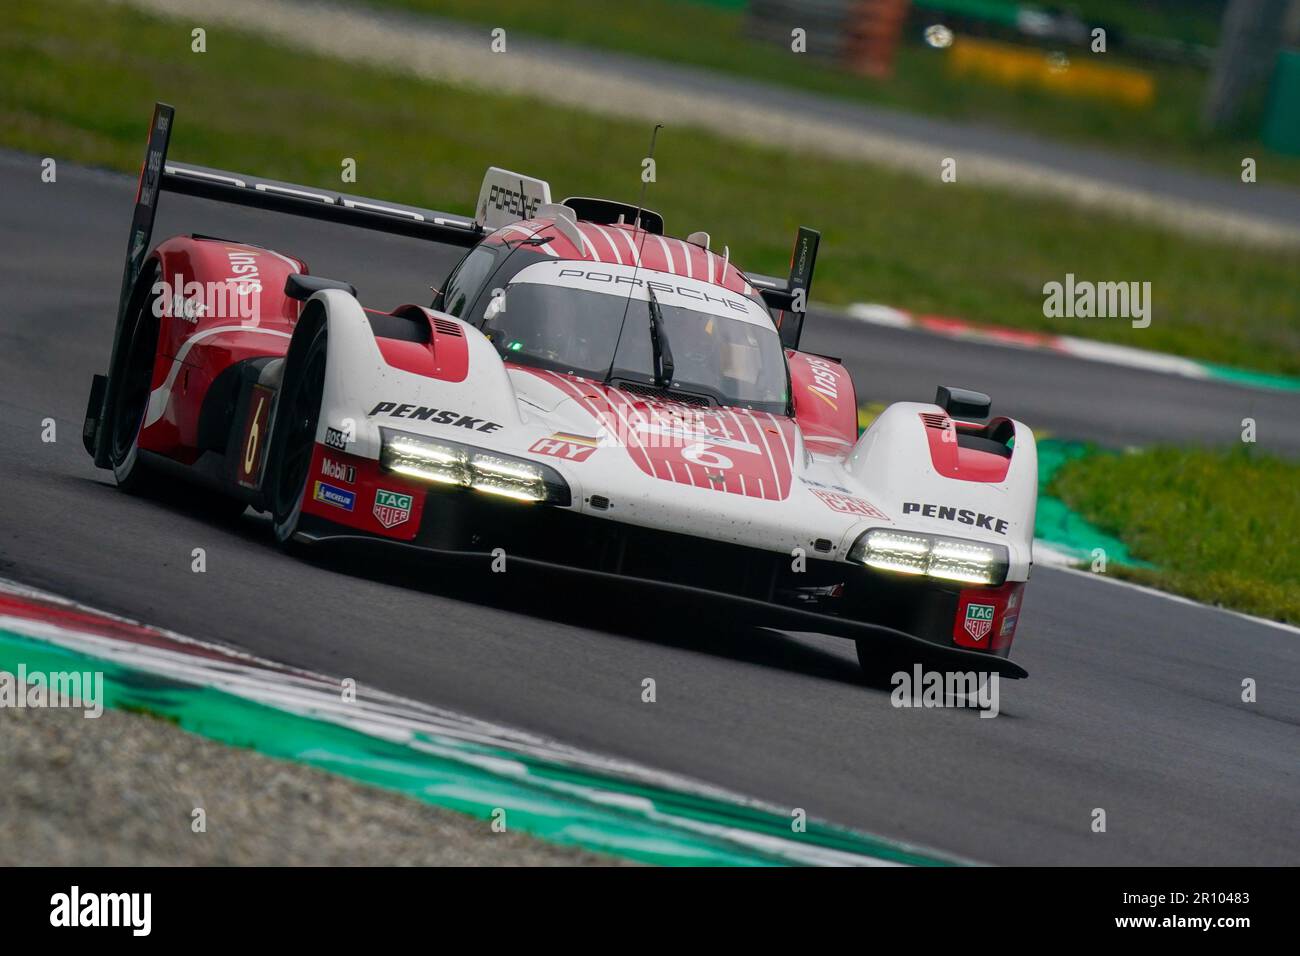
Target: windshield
566 316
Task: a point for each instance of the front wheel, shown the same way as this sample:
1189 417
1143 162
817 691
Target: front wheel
294 434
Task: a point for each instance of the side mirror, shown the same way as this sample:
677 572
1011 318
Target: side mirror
303 287
963 403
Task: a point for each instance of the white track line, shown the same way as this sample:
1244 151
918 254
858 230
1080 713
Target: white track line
394 718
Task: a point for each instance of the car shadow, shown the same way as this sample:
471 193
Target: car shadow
627 609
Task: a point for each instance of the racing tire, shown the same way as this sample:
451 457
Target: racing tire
297 414
135 376
126 418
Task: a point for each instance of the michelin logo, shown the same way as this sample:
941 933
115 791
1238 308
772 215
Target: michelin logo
330 495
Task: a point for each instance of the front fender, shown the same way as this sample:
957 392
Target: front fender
893 461
364 392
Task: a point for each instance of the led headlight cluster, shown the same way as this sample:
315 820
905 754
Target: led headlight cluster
451 463
933 555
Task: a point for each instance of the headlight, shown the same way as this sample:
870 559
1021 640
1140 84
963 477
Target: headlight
451 463
414 457
932 555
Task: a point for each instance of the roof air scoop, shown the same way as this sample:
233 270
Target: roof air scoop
611 212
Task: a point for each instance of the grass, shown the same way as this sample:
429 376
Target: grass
715 37
1221 526
77 81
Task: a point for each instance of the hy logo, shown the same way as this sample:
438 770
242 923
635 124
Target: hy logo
979 620
392 508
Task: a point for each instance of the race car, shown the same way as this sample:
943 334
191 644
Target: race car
584 392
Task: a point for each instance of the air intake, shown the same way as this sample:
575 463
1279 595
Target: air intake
664 394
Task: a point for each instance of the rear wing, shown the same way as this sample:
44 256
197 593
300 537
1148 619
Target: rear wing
396 218
789 297
159 175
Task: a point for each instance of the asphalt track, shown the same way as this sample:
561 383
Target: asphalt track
1133 704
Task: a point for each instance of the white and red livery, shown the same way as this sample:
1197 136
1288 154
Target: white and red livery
586 392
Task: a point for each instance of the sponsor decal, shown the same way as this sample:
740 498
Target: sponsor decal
660 288
566 446
151 173
986 617
512 201
438 416
961 515
392 507
979 620
336 439
338 471
849 505
338 497
825 383
243 268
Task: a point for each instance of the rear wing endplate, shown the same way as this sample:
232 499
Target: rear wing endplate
788 298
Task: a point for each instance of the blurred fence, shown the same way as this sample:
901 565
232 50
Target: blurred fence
860 34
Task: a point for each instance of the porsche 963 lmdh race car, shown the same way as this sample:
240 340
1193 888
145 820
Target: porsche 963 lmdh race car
585 392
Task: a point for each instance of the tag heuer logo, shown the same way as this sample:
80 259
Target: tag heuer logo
979 620
392 508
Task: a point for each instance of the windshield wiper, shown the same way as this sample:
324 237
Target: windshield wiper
663 352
